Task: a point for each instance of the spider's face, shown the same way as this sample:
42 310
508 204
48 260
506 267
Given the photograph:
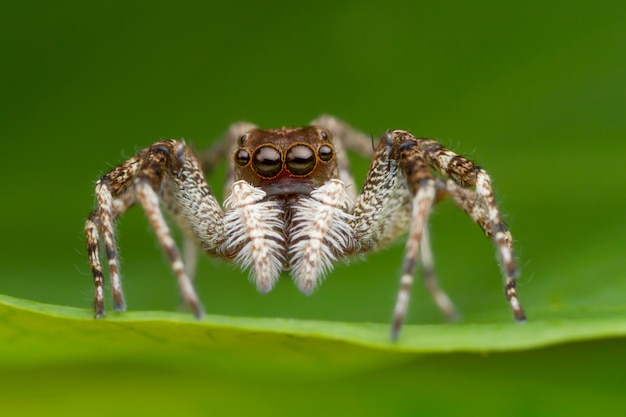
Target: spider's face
287 160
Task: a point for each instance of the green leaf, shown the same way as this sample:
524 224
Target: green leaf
533 91
68 333
146 352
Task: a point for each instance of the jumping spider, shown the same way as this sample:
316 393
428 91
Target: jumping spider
292 206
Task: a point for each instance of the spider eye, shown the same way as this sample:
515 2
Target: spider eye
242 157
300 159
324 134
267 161
325 153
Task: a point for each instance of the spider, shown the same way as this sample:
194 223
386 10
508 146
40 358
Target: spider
292 206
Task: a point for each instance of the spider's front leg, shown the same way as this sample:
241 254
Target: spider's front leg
167 173
480 204
416 157
387 206
422 187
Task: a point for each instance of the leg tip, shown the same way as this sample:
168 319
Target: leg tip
119 303
199 315
521 319
395 333
454 317
98 309
396 326
120 307
198 311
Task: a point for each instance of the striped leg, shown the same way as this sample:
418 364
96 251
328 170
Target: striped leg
422 203
432 283
422 185
102 221
105 214
165 173
350 138
113 199
92 236
346 138
483 209
150 202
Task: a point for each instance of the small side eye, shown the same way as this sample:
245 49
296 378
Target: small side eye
324 134
243 139
325 153
242 157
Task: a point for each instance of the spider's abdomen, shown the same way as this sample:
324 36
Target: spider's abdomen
302 233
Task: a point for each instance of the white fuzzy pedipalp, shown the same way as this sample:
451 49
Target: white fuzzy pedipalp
321 232
255 227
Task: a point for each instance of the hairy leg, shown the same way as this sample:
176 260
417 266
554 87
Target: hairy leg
432 283
166 172
481 206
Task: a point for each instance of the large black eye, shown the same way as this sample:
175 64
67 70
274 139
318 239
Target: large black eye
267 162
242 157
325 153
300 159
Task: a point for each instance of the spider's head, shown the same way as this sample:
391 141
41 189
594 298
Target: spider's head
286 160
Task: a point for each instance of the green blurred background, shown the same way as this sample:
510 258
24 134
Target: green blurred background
533 91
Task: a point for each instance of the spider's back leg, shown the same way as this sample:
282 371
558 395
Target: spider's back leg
346 138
